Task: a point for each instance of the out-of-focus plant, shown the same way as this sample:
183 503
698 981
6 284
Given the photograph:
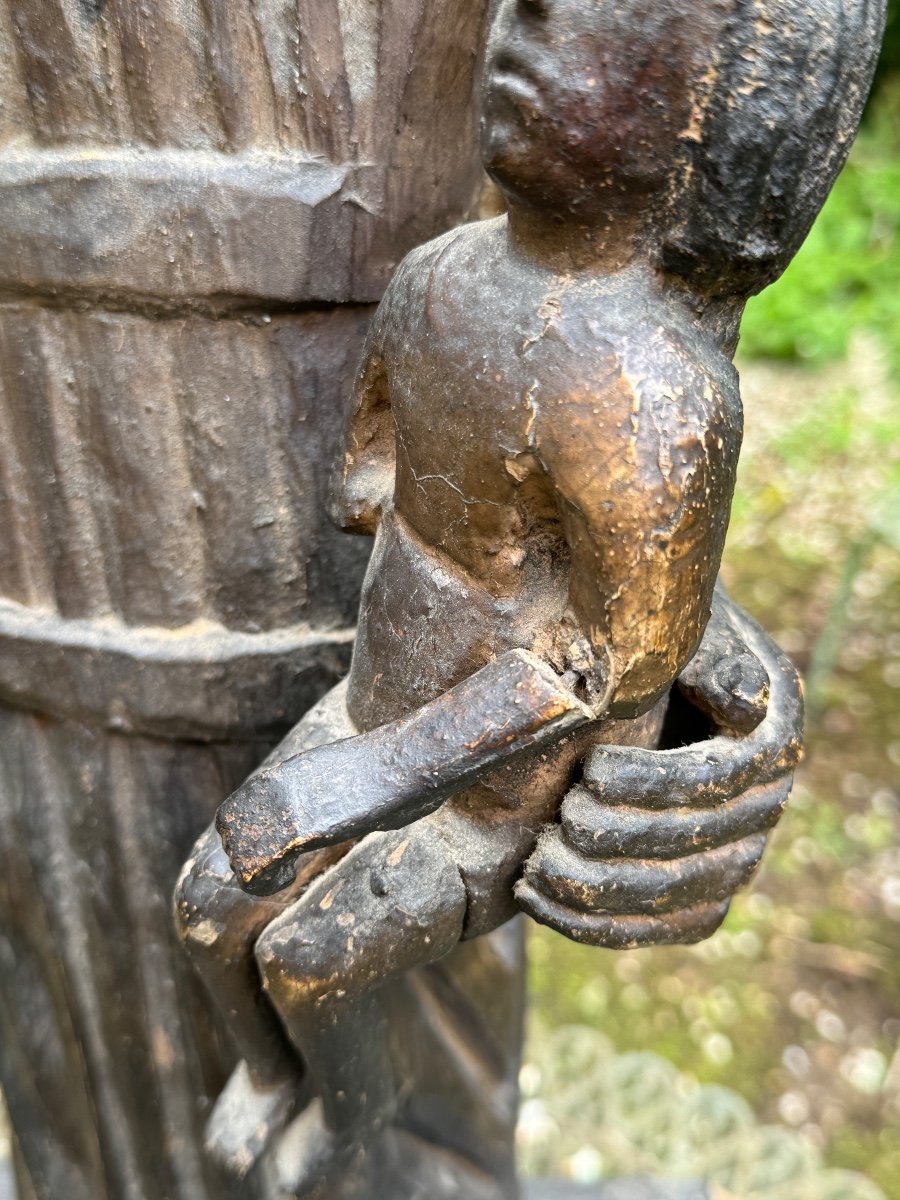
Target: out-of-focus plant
883 527
592 1113
889 64
847 274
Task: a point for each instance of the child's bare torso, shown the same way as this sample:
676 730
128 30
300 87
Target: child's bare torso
512 389
510 386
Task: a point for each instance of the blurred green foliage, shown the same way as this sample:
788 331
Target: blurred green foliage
847 275
890 54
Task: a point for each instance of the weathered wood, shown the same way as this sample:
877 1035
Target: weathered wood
201 199
14 114
375 98
132 488
107 1048
68 76
164 231
188 188
200 682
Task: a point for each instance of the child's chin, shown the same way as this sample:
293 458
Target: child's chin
514 175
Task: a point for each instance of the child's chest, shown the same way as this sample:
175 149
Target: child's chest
485 355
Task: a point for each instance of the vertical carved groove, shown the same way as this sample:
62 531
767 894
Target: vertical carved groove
72 62
159 538
87 590
165 73
361 36
240 77
67 904
24 465
15 110
23 562
328 106
149 919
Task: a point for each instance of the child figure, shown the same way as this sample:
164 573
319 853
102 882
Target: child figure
544 440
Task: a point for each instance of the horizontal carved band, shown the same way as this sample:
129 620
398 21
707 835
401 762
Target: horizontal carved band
175 227
200 682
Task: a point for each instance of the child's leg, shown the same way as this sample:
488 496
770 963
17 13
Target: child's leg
396 902
219 924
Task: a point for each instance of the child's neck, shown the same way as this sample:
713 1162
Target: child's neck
606 245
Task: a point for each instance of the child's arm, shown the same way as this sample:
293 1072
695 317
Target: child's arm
651 845
363 479
644 482
391 776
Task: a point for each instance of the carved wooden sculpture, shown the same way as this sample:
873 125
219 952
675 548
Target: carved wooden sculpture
199 204
543 438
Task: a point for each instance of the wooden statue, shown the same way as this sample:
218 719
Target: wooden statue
543 438
200 205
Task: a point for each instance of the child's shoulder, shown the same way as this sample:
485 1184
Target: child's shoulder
640 377
685 391
672 361
678 355
475 237
439 285
453 252
628 329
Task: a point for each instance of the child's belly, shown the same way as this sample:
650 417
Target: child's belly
424 625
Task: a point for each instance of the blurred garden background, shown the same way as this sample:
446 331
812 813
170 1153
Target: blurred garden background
768 1059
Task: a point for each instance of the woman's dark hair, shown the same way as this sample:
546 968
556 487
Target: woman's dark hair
780 105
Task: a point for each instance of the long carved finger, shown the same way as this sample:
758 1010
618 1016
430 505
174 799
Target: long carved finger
719 769
685 926
725 679
601 831
631 885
